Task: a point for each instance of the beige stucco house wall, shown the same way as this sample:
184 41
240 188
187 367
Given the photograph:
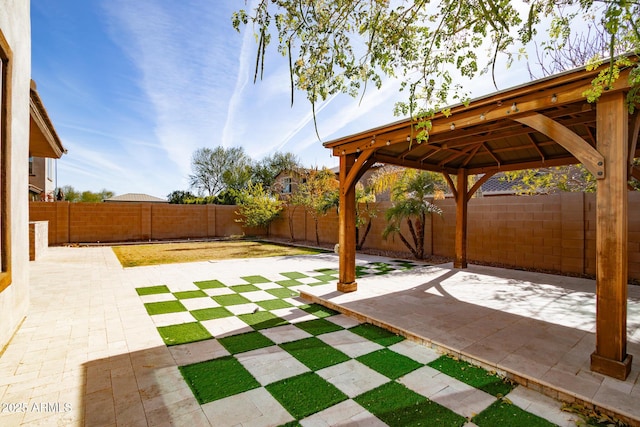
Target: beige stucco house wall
15 52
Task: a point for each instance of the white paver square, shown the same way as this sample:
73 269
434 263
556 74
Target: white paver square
158 297
447 391
226 326
243 308
258 296
196 352
347 413
199 303
268 285
167 319
252 408
342 320
286 333
296 301
307 280
542 406
271 364
415 351
293 314
352 377
214 292
349 343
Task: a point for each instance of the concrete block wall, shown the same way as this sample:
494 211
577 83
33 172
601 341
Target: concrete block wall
555 233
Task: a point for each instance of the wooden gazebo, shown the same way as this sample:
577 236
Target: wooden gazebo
545 123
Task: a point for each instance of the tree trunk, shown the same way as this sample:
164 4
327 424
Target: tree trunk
360 243
408 245
420 233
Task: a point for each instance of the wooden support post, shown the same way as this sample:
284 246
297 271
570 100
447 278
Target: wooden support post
461 220
347 227
610 356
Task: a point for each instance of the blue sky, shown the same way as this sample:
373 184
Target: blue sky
135 87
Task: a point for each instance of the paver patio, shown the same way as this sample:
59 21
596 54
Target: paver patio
91 352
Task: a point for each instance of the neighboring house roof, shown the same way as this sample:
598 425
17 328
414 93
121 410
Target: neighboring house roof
135 198
43 139
498 185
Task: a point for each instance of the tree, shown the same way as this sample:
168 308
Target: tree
365 212
257 207
179 197
218 169
71 195
317 194
411 194
341 46
266 170
552 180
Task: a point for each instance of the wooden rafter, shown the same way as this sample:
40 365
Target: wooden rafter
484 178
533 143
471 155
488 150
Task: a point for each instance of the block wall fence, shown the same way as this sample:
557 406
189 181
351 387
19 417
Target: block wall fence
554 233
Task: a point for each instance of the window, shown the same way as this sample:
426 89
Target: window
30 165
5 141
286 188
50 169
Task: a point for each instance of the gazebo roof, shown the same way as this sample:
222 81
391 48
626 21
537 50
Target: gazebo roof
506 130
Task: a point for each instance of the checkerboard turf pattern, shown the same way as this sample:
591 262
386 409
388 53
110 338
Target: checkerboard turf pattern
276 360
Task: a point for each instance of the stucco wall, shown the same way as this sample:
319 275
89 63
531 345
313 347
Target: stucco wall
14 300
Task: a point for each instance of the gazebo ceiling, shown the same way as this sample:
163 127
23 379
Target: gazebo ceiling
507 130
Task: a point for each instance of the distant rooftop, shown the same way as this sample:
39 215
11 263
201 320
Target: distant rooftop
135 198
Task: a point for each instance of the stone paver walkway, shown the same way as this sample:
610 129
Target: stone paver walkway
89 353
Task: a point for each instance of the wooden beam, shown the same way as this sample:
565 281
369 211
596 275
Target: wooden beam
610 356
479 183
633 139
359 167
451 185
347 225
460 260
585 153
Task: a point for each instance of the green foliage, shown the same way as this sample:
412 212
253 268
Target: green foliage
411 193
219 169
71 195
257 207
265 171
343 46
317 194
179 197
571 178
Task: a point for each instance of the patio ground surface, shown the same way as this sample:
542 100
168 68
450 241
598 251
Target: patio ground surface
106 346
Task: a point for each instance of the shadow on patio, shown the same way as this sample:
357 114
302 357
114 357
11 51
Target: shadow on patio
538 329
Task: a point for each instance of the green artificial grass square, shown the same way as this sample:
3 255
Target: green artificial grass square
210 284
211 313
262 320
255 279
152 290
314 353
244 288
472 375
245 342
183 333
282 292
289 283
218 378
318 326
190 294
294 275
376 334
389 363
291 424
274 304
318 310
305 394
163 307
230 299
327 270
502 413
324 278
396 405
